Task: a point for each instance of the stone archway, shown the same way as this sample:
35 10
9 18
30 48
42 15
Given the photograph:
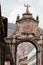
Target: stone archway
34 43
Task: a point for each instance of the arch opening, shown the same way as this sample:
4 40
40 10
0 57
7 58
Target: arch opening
26 53
7 62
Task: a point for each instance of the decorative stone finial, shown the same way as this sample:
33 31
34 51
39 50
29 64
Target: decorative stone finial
27 8
37 18
18 17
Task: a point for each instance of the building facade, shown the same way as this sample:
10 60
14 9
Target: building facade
26 37
3 34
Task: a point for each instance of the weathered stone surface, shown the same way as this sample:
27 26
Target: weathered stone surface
26 31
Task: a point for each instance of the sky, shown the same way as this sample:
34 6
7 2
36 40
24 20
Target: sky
11 8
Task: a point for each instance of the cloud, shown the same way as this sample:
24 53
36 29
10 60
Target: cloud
41 2
20 0
16 10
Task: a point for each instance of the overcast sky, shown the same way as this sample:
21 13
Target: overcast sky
11 8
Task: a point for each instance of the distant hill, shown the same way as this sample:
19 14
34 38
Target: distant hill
11 25
11 28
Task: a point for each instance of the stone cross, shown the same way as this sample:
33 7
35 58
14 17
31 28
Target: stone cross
27 8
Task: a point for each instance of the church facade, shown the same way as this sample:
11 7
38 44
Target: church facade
27 36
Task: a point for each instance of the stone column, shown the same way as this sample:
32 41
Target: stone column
15 54
37 57
40 55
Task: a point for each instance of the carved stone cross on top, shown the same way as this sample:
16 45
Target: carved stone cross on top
27 8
